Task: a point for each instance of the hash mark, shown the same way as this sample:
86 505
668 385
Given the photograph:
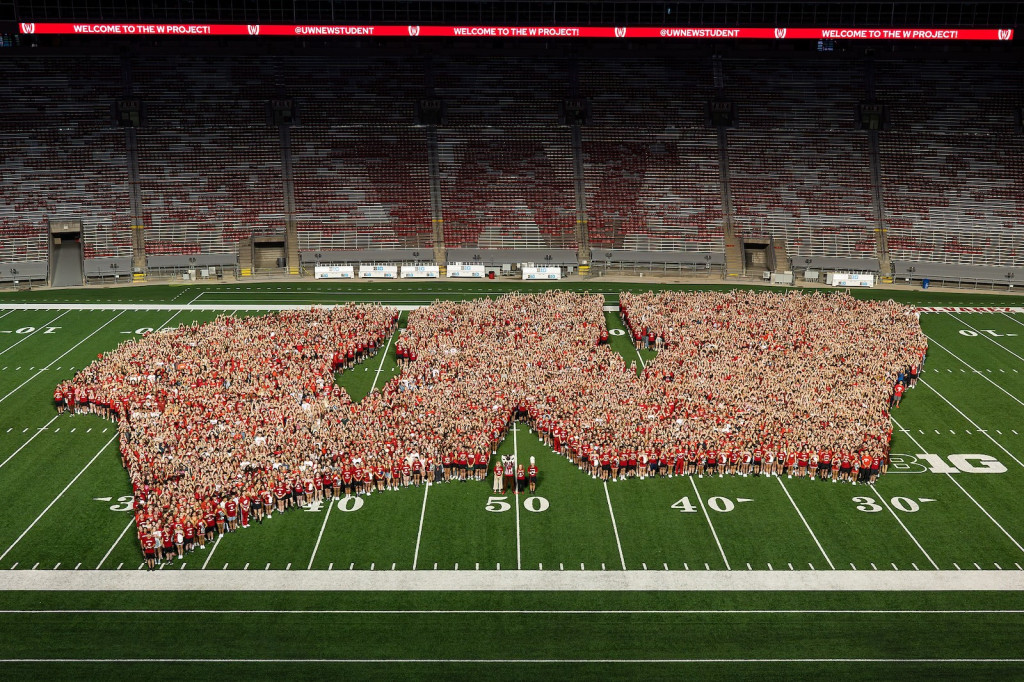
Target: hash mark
999 432
873 567
561 567
582 567
791 567
79 564
977 566
540 567
57 566
915 566
852 566
118 566
645 566
602 567
352 566
225 567
456 567
998 566
770 567
685 566
330 567
706 567
748 566
36 566
246 567
957 566
811 565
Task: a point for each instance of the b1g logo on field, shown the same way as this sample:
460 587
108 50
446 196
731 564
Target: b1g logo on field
967 464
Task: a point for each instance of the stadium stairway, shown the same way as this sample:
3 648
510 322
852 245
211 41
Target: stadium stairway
734 266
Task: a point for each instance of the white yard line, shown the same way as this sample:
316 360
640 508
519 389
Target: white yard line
59 495
61 356
116 543
31 438
615 526
806 525
515 468
957 483
710 525
885 503
518 581
972 422
384 356
1012 319
38 329
985 336
319 537
419 533
212 550
977 371
196 298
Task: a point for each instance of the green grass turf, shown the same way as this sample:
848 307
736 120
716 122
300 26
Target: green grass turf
976 519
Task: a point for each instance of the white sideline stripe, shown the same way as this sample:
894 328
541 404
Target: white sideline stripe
62 355
806 525
512 661
59 495
710 525
615 526
885 502
31 438
515 467
977 371
520 612
320 537
235 304
972 422
419 533
517 581
38 329
116 543
957 483
986 336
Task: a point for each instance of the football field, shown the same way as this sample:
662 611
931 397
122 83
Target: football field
919 575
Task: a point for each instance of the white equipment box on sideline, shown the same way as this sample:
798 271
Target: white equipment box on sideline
546 272
334 272
415 271
378 271
464 270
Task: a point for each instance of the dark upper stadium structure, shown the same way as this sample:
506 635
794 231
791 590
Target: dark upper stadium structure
153 156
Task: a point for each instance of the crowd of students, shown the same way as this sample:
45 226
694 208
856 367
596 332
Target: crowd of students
224 424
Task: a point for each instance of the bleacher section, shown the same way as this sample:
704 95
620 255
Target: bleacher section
644 170
953 165
361 187
798 168
653 190
61 157
507 188
210 167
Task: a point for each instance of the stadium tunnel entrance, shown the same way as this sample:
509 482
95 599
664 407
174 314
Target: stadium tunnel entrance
66 264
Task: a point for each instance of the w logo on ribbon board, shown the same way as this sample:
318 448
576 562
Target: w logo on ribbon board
780 33
1005 33
414 31
31 28
620 31
254 30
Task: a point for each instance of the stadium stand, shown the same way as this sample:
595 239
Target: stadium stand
952 169
210 166
797 167
507 187
359 187
357 173
61 157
